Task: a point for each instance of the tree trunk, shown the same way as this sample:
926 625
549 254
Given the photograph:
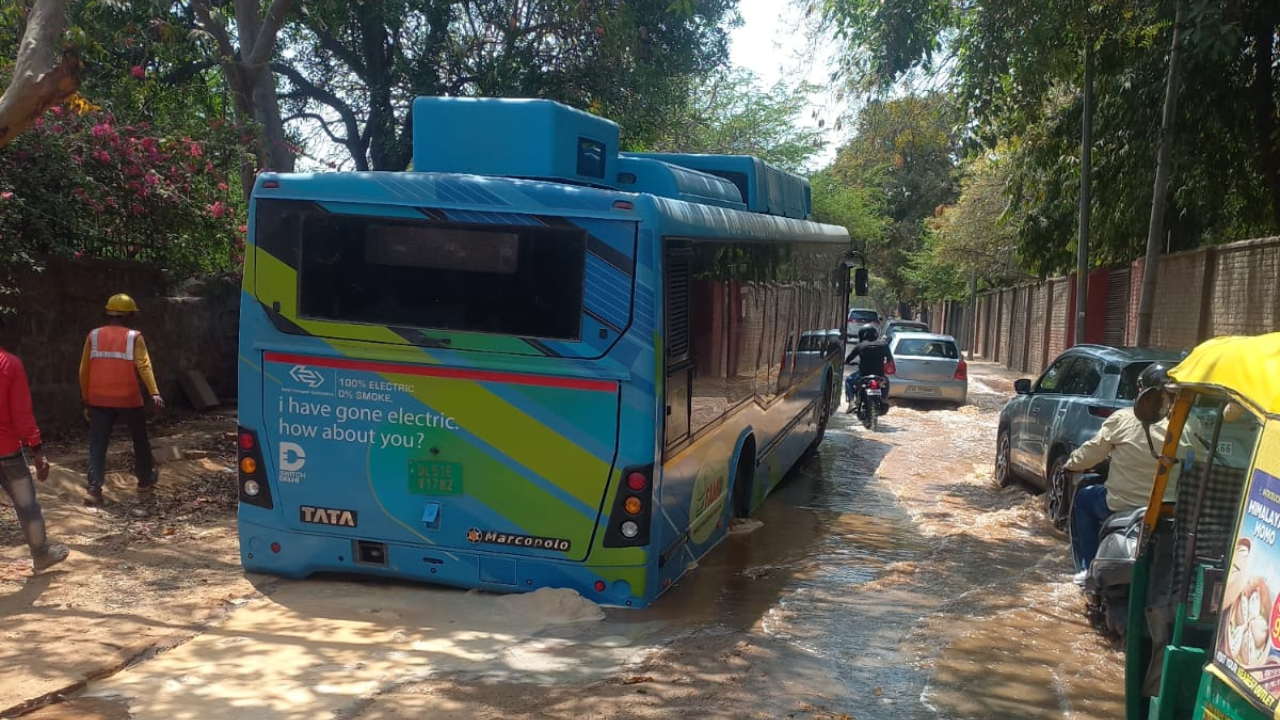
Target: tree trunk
276 155
1086 169
43 75
253 87
1155 229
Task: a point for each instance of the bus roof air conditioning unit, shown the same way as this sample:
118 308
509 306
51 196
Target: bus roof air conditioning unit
513 137
763 187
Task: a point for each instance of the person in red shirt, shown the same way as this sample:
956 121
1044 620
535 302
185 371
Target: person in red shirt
18 429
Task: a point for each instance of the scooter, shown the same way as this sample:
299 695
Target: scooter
871 400
1106 585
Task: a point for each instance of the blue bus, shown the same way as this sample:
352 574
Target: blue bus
532 361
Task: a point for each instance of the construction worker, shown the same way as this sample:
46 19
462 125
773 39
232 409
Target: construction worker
18 429
113 358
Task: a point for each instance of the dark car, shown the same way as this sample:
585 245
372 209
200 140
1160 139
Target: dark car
1063 409
894 327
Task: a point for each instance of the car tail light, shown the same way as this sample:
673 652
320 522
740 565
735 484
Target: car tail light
962 370
1099 411
890 368
254 488
629 521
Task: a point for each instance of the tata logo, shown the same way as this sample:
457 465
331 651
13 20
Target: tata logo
327 516
306 376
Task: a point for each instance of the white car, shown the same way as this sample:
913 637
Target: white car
859 318
928 366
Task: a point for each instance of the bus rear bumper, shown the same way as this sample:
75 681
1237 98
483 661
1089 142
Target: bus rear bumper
291 554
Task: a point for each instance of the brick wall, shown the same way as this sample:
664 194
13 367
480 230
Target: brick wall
1214 291
1035 342
1060 317
58 307
1244 297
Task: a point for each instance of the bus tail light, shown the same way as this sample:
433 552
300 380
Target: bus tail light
632 509
254 489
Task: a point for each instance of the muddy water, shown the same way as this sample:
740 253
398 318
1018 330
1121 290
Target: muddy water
892 579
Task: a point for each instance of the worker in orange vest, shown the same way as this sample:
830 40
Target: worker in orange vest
113 358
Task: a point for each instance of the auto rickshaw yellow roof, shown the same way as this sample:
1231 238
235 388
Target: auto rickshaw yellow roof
1249 366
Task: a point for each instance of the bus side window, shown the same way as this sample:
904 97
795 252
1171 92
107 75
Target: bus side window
676 287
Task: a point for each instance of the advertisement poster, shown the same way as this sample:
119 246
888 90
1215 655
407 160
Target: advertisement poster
1248 645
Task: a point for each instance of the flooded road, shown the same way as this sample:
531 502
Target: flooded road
887 578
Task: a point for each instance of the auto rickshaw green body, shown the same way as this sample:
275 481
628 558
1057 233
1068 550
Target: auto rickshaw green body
1204 605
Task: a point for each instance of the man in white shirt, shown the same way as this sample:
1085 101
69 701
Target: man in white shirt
1132 471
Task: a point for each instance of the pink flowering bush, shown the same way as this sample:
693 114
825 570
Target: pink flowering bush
91 186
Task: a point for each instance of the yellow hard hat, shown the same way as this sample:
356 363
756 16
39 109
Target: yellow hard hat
121 304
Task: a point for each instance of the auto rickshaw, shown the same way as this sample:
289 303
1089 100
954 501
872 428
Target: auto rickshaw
1204 606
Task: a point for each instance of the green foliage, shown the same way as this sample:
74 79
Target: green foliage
728 112
143 164
87 186
1016 70
903 155
860 209
976 238
356 66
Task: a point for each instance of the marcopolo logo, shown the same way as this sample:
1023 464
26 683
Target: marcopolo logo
327 516
476 536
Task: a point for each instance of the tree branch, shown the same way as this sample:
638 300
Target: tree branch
324 125
308 89
186 72
340 51
214 27
271 25
41 76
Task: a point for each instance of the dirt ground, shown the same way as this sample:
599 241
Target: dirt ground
1002 636
142 574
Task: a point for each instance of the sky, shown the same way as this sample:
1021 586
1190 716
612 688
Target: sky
772 43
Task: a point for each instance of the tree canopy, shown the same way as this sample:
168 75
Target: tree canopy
353 69
1015 68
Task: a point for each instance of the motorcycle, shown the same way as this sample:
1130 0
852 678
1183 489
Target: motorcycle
871 400
1106 585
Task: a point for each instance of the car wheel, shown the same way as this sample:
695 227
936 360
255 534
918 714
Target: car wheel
1057 500
1003 471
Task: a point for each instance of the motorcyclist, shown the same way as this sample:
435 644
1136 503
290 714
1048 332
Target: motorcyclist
1132 471
870 356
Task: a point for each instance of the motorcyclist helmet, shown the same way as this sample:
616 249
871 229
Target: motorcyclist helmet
868 334
1155 375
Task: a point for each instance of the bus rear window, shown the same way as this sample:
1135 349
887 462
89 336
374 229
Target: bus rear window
523 281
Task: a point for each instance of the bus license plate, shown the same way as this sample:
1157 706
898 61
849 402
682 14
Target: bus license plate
427 477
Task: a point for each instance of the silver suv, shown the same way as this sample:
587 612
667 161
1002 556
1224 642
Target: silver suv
1062 410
